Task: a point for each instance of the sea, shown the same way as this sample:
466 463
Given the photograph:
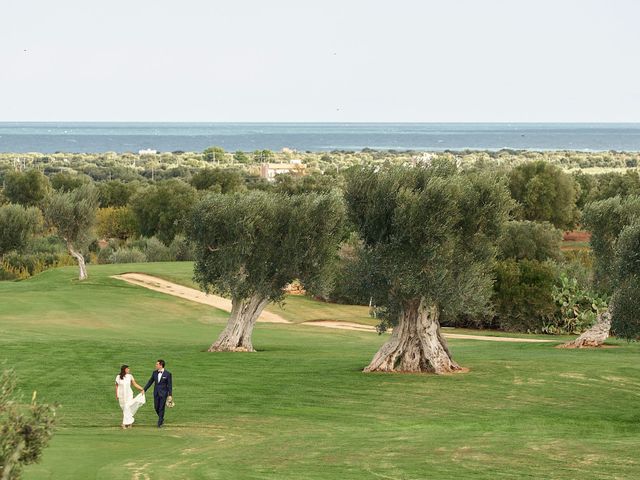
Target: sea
97 137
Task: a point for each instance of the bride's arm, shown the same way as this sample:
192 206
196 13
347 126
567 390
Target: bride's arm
133 382
116 391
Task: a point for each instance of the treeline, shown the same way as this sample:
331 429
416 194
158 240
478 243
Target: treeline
136 218
166 165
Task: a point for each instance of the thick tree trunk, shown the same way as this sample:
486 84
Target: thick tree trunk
595 336
416 344
236 337
78 256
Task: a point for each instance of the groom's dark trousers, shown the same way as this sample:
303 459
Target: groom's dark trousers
161 390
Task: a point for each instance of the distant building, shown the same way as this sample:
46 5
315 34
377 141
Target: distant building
270 170
147 151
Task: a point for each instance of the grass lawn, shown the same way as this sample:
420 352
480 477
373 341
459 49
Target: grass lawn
300 408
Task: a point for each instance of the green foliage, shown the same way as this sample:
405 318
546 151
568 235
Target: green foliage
241 157
577 308
220 180
261 156
352 274
17 225
116 193
315 182
256 243
73 214
523 294
625 319
25 430
606 219
66 181
214 154
544 193
181 249
626 305
127 255
531 241
429 232
162 209
116 222
26 188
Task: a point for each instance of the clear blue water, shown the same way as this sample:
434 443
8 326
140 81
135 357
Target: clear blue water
131 137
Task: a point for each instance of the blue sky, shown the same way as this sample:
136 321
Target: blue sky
348 60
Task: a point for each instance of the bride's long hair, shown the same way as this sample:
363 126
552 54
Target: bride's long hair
122 371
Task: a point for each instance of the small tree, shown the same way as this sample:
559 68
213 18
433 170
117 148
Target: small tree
544 193
430 235
24 430
73 215
250 246
162 209
26 188
214 154
17 224
116 222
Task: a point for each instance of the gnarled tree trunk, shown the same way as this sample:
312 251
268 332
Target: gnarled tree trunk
596 335
416 344
236 337
80 258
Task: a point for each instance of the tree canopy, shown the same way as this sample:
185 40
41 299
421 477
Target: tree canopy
544 193
17 224
162 209
250 246
430 235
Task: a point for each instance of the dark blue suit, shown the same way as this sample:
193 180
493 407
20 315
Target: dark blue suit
161 390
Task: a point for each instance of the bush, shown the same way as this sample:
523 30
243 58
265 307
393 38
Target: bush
625 319
156 251
530 240
577 309
127 255
181 249
523 297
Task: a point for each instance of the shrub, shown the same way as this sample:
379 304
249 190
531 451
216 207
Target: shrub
181 249
530 240
523 297
577 309
156 251
127 255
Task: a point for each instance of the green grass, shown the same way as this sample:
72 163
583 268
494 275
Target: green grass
300 408
295 308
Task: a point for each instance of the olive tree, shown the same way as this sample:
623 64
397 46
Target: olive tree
250 246
26 188
73 215
162 209
25 430
615 237
17 224
430 236
544 193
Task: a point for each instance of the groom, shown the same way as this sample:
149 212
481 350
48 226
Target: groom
162 390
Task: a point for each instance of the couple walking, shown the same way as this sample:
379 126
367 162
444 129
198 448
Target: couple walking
162 393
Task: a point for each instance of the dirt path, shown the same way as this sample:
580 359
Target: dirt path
164 286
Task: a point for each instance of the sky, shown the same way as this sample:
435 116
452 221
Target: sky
320 61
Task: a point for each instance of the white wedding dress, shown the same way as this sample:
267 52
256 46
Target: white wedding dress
128 403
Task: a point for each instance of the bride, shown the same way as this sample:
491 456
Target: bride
124 395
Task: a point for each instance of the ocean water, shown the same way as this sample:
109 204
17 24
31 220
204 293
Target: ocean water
131 137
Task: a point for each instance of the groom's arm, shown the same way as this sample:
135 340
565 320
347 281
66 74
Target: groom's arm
149 383
170 385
